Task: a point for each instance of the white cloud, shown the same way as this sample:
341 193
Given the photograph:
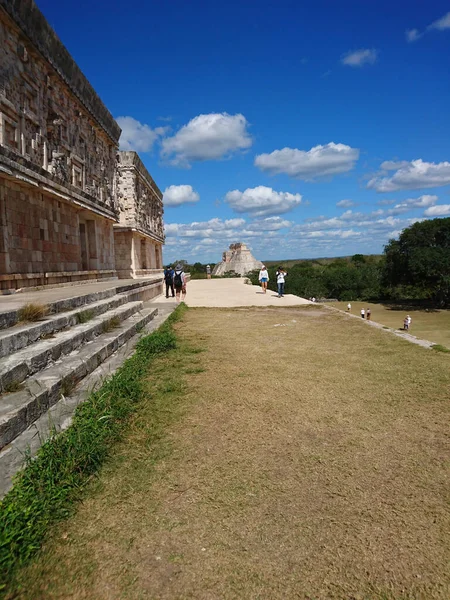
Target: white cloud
215 228
442 23
320 161
441 210
262 201
413 35
138 136
345 204
411 203
175 195
207 137
359 58
413 175
270 224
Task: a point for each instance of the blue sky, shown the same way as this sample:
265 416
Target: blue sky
302 129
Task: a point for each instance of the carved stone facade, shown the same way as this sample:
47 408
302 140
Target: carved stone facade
238 259
58 160
139 236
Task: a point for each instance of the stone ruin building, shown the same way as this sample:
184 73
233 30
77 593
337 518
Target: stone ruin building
238 259
139 235
71 207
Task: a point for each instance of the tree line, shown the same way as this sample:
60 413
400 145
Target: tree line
416 267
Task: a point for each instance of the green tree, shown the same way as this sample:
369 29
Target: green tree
419 261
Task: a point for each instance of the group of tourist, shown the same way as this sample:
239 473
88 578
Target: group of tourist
280 276
365 314
175 280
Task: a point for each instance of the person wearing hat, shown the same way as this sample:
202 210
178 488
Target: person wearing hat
179 283
263 278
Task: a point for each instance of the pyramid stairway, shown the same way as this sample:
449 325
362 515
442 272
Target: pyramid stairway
44 362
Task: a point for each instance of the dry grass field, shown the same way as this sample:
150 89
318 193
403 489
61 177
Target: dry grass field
432 325
282 453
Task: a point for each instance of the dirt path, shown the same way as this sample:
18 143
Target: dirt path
309 460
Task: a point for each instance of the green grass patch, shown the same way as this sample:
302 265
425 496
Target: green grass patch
49 486
440 348
85 315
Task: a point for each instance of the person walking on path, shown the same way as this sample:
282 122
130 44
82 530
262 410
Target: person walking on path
281 276
179 282
368 314
363 313
168 278
208 272
349 307
263 278
405 324
409 321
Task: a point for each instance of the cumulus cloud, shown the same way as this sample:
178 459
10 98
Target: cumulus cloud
138 136
175 195
207 137
411 203
262 201
270 224
345 204
320 161
359 58
441 210
216 228
413 175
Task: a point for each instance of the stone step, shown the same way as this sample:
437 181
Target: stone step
20 409
20 336
59 416
31 359
147 289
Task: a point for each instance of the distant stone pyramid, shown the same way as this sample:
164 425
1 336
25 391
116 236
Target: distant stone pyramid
238 259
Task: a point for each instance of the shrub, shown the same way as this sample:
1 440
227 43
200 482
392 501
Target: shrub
29 313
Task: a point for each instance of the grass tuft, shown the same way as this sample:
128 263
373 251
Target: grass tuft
110 324
440 348
30 313
46 490
84 316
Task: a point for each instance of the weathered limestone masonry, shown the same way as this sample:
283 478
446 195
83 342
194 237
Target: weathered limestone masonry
58 145
139 236
238 259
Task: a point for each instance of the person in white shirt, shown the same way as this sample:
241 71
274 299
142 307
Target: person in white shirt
281 275
179 282
363 313
349 307
263 278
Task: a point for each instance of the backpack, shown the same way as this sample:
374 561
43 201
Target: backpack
168 275
178 280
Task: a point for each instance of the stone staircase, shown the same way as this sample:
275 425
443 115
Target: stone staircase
44 362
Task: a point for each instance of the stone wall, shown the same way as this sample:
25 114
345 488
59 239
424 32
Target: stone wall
58 145
140 199
140 234
40 239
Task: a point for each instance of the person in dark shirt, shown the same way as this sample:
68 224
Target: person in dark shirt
168 278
